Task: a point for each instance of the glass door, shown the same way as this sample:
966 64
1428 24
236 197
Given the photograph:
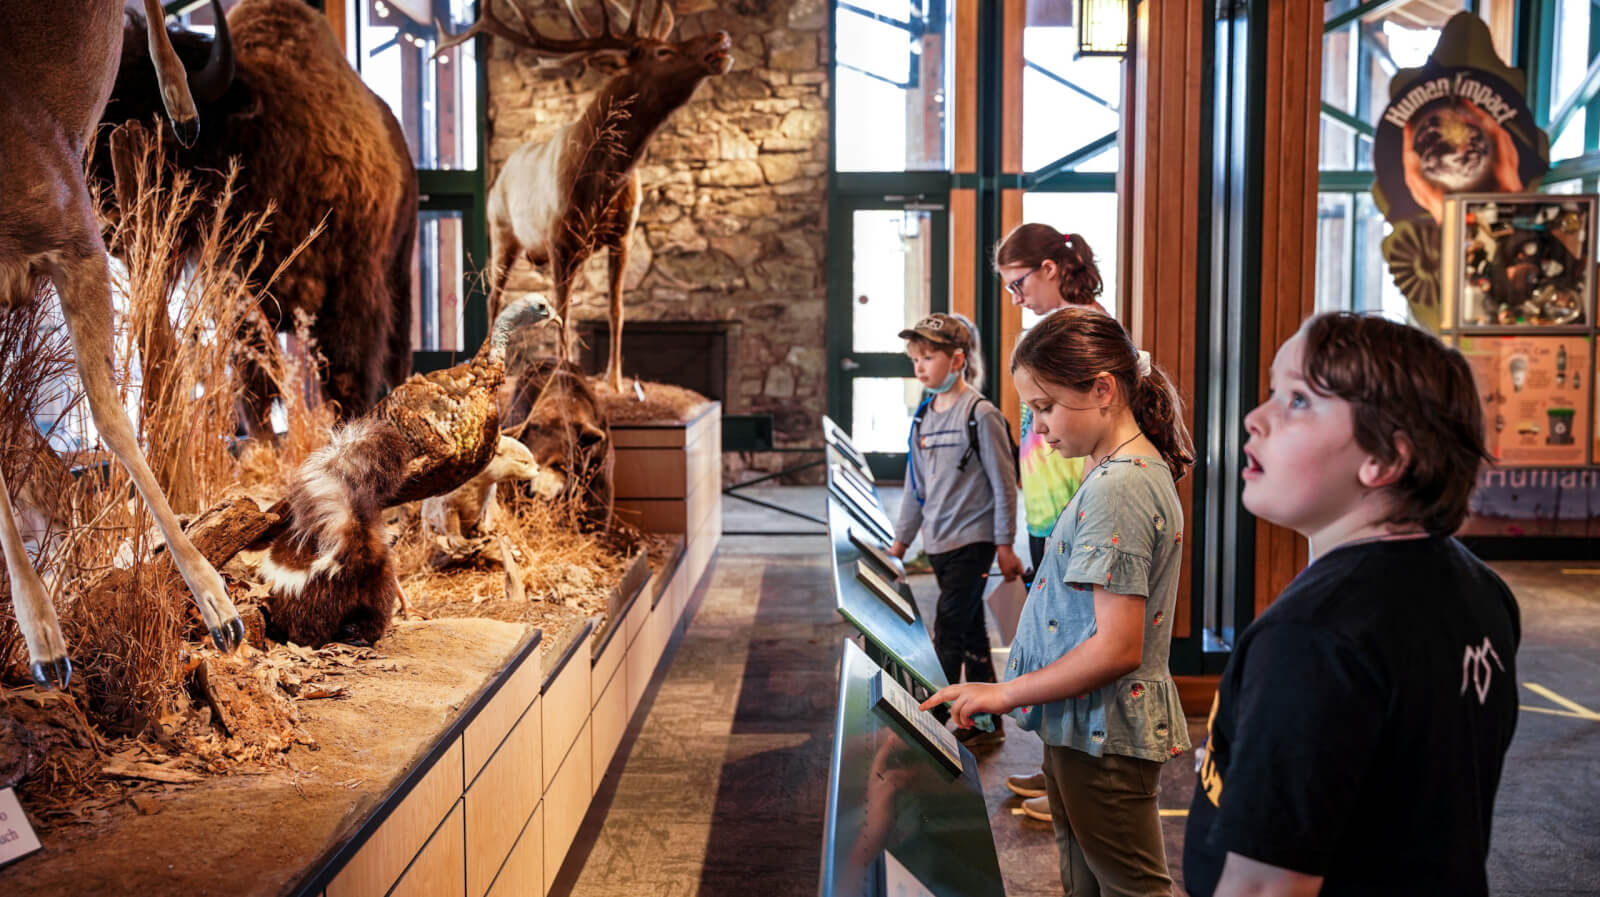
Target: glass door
890 268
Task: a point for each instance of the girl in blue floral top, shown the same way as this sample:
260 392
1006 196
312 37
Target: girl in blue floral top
1088 668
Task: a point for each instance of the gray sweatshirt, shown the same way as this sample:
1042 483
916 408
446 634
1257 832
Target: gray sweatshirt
960 507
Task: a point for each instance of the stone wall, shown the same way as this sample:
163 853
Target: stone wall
733 223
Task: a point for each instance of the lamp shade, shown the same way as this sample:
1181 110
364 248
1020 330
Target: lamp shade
1102 27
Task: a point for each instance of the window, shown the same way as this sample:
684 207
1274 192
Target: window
1070 106
1363 46
1092 216
891 73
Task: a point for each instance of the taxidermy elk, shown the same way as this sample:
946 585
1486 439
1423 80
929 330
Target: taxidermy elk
58 59
316 145
560 200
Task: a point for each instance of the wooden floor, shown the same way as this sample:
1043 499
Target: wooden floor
719 790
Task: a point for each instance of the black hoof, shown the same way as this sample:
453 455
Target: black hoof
230 636
53 674
188 131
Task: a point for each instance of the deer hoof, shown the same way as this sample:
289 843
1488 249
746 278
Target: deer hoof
188 131
52 674
229 636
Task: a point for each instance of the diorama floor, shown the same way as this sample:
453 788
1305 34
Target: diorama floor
720 789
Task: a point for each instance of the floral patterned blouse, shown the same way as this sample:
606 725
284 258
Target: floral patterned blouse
1123 530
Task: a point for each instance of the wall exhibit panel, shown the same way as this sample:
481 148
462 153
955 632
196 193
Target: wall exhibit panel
566 704
380 861
523 873
501 800
437 870
566 802
494 722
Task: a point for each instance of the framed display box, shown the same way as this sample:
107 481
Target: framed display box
1518 260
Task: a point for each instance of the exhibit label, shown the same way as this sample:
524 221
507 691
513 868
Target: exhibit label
17 839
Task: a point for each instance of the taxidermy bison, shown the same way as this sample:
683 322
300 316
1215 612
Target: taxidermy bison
274 91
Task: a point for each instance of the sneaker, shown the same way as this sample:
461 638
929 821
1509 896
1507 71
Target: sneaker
1026 786
974 737
1037 808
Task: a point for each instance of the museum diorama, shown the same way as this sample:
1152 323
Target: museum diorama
265 578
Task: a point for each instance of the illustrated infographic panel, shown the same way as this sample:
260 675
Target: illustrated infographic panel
1535 396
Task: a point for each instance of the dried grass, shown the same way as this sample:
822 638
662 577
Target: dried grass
663 402
567 575
177 342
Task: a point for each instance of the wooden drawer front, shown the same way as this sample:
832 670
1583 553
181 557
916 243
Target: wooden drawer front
490 727
610 720
437 871
501 800
633 621
654 515
652 473
565 803
380 861
610 660
636 668
566 710
523 873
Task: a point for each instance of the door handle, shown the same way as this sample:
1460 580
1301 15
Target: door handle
849 364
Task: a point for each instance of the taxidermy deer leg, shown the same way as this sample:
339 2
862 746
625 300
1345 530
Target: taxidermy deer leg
563 268
36 616
172 76
503 252
619 266
84 285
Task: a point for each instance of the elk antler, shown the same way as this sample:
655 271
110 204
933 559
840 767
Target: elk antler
527 36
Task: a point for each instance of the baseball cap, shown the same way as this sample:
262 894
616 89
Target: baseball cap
941 329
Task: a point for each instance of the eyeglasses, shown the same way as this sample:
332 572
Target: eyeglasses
1015 286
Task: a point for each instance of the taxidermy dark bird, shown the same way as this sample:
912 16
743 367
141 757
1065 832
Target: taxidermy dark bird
329 572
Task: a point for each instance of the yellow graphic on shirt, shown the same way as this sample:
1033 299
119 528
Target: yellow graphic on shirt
1210 779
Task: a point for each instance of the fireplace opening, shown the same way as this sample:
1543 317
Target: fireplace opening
690 354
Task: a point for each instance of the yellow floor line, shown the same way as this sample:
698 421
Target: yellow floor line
1592 717
1580 571
1174 812
1574 706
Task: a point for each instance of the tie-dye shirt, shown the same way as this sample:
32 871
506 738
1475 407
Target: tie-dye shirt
1048 480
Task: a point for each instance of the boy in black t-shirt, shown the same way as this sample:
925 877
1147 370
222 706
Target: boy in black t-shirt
1358 732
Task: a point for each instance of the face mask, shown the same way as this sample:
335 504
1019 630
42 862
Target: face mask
945 386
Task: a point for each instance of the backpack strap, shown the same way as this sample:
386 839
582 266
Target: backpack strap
911 449
972 434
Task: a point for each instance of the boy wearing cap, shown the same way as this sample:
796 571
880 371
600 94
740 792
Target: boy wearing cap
961 478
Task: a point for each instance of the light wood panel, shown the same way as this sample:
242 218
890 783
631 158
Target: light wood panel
494 722
502 799
566 802
610 660
1293 93
523 873
379 862
1162 124
964 252
1010 323
609 721
566 710
1015 19
964 84
437 870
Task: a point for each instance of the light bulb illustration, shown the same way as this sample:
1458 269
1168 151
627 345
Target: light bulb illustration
1519 371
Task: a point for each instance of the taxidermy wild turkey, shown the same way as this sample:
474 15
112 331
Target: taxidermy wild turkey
328 571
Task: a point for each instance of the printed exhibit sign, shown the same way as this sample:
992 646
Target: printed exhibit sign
17 839
1457 124
1535 395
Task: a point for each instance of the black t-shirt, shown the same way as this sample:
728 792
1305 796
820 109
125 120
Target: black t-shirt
1359 729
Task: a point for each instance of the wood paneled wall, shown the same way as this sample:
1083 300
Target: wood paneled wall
1163 129
1293 93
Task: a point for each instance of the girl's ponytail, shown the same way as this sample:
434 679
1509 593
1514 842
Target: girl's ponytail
1080 279
1158 410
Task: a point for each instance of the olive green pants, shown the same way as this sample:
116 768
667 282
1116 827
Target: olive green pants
1107 827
